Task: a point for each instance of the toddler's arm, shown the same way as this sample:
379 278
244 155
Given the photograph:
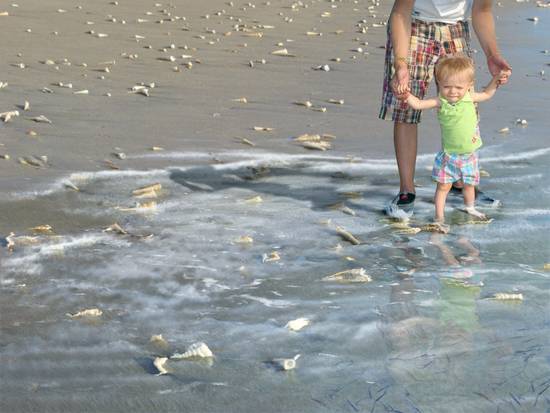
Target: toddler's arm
420 104
489 90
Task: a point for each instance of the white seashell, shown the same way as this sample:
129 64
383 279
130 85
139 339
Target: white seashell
307 104
158 340
120 155
508 296
281 52
41 119
91 312
26 105
355 275
3 85
336 101
101 35
263 129
533 19
271 257
504 130
324 68
81 92
195 350
240 100
286 364
159 363
298 324
7 116
521 122
147 190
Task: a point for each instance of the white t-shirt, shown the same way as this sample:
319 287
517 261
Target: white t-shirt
444 11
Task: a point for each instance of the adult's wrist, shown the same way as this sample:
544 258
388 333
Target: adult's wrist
400 61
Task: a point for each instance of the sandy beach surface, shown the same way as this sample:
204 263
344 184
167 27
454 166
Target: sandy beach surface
243 228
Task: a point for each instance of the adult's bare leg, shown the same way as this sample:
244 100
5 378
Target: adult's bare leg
405 139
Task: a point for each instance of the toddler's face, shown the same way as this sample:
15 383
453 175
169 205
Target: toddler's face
454 87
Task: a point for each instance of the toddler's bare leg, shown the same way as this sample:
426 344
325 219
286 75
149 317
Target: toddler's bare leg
469 193
439 199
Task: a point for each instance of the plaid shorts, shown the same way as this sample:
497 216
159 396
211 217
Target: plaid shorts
449 168
429 41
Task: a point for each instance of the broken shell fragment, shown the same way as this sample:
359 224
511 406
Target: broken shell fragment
159 364
324 68
286 364
7 116
508 296
504 130
26 105
37 162
271 257
307 104
146 190
282 52
41 119
81 92
246 141
158 340
240 100
254 200
355 275
116 228
347 236
320 146
195 350
42 229
298 324
263 129
336 101
244 239
91 312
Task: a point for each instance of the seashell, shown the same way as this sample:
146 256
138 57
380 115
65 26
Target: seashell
26 105
119 155
195 350
504 130
4 156
282 52
42 229
110 164
348 211
484 173
314 34
533 19
46 90
254 200
168 58
298 324
347 236
81 92
157 148
143 91
91 312
147 189
32 161
508 296
3 85
286 364
246 141
336 101
158 340
320 146
307 104
263 129
159 364
240 100
7 116
271 257
355 275
244 239
41 119
308 138
319 109
101 35
4 13
116 228
324 68
522 122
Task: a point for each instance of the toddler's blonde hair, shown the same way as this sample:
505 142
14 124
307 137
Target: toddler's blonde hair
454 65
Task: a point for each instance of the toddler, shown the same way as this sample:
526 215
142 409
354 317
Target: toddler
460 138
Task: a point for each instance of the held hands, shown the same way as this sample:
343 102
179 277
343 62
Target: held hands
400 82
499 67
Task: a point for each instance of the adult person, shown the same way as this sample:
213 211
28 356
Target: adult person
419 33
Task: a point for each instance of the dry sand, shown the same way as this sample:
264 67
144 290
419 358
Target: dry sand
191 109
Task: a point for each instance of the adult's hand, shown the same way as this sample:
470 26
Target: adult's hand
400 82
497 64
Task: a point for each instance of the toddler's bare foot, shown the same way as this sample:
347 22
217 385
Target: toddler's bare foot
440 227
470 210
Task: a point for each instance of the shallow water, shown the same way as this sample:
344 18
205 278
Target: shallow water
422 336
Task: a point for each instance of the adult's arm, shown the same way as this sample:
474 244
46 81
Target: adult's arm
400 30
484 26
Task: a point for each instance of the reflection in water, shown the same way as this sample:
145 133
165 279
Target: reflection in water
422 336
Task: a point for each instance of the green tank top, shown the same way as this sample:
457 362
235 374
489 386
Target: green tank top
459 125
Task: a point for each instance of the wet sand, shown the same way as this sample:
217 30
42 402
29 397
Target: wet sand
366 346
